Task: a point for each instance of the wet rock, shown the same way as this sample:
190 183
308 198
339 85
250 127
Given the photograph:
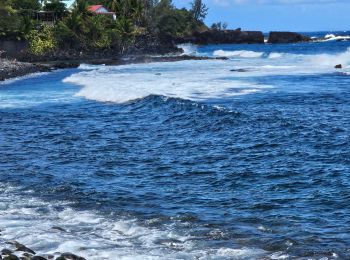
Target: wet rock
26 256
239 70
11 69
339 66
70 256
23 248
287 37
11 257
47 256
6 251
38 258
59 229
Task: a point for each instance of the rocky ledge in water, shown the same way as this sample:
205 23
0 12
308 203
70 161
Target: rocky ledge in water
18 251
287 37
13 68
224 37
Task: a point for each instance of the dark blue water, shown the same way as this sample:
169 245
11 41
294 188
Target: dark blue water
268 171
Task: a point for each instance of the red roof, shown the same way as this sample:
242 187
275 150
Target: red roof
94 8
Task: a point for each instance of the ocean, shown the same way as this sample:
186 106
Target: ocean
245 158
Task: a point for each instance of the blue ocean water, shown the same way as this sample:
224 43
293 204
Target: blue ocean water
246 158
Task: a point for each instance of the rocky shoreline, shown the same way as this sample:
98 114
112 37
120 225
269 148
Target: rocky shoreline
18 251
144 51
12 69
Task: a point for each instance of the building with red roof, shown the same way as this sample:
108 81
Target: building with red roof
100 9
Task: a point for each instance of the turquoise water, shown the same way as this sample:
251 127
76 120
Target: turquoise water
246 158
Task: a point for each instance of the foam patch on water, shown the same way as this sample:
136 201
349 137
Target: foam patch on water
56 227
192 80
275 55
84 66
240 54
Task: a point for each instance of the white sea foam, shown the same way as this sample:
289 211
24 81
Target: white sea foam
330 60
332 37
198 80
193 80
56 227
329 36
241 54
84 66
188 48
275 55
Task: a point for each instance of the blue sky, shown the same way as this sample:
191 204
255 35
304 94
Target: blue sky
267 15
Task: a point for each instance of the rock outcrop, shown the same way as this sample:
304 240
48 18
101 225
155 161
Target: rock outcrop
287 37
21 252
224 37
12 69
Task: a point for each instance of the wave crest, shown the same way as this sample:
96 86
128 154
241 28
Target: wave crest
121 84
241 54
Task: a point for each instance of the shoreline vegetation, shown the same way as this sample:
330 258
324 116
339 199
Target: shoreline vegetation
50 30
39 36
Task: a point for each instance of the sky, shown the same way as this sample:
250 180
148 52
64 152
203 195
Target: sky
278 15
269 15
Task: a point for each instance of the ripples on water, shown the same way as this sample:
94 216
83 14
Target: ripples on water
257 176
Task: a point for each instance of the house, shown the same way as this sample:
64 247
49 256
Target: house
101 10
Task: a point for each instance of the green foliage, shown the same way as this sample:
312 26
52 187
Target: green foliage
26 4
219 26
81 29
55 6
65 36
199 10
10 22
41 41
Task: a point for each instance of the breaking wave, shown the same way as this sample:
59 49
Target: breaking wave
62 228
241 54
332 37
210 79
330 59
188 49
120 84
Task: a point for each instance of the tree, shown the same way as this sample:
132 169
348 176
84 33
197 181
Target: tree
56 6
199 10
219 26
26 4
10 22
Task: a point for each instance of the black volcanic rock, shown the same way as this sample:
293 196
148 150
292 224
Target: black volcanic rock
287 37
223 37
